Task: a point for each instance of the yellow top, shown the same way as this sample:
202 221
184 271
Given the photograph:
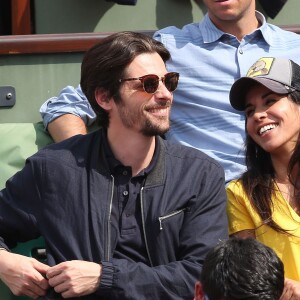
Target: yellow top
242 216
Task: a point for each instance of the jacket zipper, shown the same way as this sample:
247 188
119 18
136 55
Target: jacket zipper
174 213
144 227
108 222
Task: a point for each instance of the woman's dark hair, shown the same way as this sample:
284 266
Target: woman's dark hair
259 179
105 63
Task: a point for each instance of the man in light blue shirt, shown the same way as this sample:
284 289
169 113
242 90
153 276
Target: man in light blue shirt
209 56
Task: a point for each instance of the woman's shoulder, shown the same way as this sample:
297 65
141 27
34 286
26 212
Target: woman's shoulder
234 185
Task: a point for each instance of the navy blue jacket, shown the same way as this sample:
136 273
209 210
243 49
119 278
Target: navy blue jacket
64 193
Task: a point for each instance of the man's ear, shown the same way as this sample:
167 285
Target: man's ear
199 293
102 98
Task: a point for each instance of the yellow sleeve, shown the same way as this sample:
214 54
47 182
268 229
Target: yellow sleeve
239 210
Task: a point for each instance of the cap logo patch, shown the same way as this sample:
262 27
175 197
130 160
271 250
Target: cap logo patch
261 67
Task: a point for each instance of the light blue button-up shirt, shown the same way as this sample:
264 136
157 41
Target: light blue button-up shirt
209 61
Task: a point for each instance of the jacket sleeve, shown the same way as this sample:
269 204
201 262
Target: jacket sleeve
17 221
204 225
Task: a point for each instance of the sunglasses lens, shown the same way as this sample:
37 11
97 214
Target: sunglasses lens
151 83
171 81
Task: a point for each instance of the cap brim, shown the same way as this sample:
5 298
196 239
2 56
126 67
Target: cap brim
241 87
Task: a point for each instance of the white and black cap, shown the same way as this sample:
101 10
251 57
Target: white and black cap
280 75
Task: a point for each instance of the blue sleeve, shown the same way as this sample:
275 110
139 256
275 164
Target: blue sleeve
157 36
70 101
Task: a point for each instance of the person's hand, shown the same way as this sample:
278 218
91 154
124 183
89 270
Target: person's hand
74 278
23 275
291 290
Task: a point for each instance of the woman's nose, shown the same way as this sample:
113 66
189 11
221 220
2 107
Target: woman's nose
260 114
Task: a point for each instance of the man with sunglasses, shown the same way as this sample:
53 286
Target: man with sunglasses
124 213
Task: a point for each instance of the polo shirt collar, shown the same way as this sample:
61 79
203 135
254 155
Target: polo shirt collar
211 33
113 163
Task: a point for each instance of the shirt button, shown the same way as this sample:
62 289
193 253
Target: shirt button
125 173
125 193
241 51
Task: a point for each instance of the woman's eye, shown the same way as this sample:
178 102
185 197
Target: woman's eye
270 101
249 112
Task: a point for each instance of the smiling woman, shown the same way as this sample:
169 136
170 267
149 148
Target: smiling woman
265 202
266 111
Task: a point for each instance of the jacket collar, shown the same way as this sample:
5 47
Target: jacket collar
157 175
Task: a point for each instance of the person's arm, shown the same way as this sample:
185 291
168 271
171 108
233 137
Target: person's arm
67 114
244 234
66 126
291 290
23 275
75 278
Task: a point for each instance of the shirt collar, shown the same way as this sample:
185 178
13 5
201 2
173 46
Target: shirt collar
211 33
264 28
